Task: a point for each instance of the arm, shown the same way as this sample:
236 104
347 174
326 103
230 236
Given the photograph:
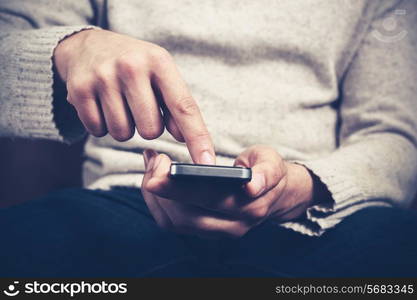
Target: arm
376 162
30 31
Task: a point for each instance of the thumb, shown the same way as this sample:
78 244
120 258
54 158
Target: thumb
268 168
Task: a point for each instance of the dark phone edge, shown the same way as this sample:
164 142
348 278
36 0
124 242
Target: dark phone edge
244 176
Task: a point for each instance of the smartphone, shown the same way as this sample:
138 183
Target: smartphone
210 173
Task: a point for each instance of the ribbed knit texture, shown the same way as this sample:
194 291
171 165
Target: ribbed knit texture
329 84
27 98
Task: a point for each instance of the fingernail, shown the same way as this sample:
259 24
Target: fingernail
207 158
258 184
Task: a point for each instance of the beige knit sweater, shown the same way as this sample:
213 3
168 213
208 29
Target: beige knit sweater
329 84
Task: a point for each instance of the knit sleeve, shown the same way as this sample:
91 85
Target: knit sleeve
30 103
376 161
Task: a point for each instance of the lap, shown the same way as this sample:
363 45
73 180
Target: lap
378 241
82 232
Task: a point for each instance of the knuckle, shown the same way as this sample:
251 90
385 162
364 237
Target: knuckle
257 213
199 136
186 106
97 132
259 151
80 89
272 173
275 172
104 74
96 128
129 64
159 55
121 133
151 131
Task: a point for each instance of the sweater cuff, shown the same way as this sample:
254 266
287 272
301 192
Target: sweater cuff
346 198
43 111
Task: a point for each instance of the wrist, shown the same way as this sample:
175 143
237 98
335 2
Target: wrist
297 195
300 185
66 49
304 189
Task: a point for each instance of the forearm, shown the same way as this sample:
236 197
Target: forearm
378 171
382 166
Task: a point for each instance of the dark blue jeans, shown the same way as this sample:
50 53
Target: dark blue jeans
111 233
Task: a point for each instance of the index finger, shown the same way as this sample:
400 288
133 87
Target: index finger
185 112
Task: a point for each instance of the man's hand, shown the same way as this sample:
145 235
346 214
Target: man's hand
117 83
278 190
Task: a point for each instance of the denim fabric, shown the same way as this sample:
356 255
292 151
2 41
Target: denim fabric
90 233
